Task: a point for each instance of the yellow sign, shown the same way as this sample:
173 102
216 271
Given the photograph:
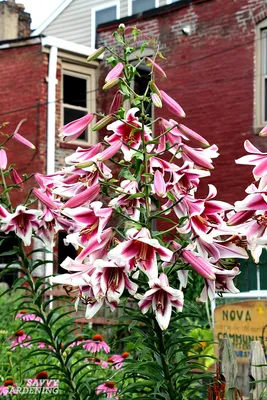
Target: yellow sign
243 322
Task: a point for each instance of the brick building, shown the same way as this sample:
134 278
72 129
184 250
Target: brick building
216 66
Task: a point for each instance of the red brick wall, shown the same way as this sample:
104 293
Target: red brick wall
23 91
211 74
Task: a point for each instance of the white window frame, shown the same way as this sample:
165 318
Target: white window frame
260 75
130 6
99 8
88 74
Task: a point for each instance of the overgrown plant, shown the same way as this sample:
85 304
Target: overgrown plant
113 200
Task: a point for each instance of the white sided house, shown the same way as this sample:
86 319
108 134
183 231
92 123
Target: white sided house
77 20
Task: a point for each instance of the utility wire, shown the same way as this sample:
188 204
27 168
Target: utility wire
198 59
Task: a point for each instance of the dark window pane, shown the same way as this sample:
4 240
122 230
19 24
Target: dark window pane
106 15
74 91
10 241
64 251
71 115
140 85
142 5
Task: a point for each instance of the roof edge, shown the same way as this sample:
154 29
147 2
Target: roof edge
52 17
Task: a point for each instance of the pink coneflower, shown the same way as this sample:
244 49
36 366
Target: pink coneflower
108 388
23 314
20 337
8 387
97 361
96 345
117 360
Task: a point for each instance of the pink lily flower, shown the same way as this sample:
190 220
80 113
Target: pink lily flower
23 140
162 298
96 344
3 159
200 157
140 250
115 72
172 105
109 389
129 134
74 129
92 219
112 278
223 283
129 207
23 222
93 249
256 158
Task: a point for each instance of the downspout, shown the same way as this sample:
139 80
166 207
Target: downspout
51 131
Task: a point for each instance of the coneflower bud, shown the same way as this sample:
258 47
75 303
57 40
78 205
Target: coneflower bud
103 122
19 333
125 354
96 54
42 375
111 83
8 382
98 338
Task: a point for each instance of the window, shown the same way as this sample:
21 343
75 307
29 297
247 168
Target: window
138 6
140 84
7 244
261 76
78 92
106 13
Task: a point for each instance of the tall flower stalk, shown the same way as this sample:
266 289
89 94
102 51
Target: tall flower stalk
130 205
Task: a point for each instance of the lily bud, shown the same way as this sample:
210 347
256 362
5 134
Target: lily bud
24 141
156 100
3 159
172 104
15 177
96 54
103 122
116 103
155 67
111 83
87 195
115 72
154 88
